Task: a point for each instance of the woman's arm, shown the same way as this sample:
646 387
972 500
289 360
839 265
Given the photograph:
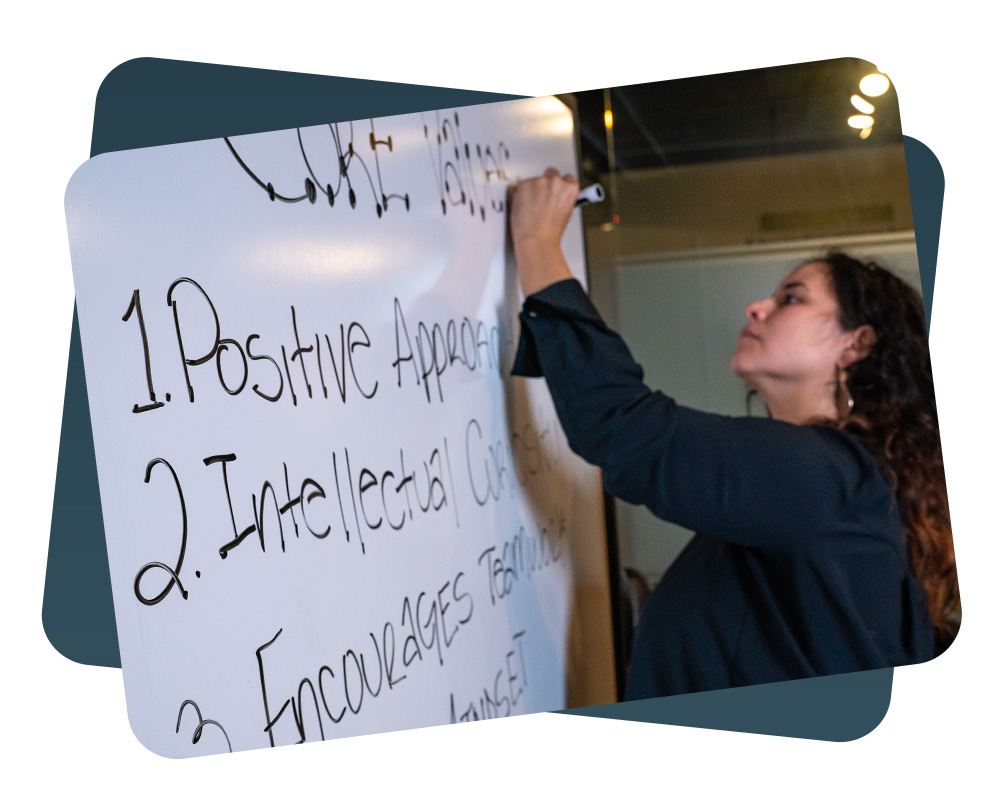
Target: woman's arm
756 482
540 210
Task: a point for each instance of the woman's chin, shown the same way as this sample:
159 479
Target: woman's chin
737 367
745 372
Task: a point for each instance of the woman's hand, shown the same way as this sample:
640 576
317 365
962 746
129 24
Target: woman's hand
540 210
542 206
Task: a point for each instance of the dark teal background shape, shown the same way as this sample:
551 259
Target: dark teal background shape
147 102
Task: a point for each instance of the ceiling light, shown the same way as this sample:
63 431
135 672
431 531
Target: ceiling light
608 118
874 85
860 121
863 106
864 133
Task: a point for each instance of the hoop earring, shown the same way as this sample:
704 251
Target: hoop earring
843 391
751 395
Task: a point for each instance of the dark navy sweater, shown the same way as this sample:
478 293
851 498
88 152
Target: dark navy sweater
799 567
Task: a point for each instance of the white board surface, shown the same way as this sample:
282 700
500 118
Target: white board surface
303 418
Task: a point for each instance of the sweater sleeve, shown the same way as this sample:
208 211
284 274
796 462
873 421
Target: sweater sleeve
752 481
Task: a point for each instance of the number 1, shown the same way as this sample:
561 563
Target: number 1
136 304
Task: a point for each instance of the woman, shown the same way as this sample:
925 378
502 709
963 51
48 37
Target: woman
824 543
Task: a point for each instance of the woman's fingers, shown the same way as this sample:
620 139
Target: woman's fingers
545 196
540 210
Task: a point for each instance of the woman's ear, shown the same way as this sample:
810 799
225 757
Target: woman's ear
859 347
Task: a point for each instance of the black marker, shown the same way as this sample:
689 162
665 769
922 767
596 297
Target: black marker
591 194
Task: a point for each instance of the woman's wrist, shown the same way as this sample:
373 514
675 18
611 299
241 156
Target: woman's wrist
540 264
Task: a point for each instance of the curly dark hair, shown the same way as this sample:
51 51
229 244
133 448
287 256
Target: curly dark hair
895 418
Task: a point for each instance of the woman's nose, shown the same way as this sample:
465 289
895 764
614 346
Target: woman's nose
757 310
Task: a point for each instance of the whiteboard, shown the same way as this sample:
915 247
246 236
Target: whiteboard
329 509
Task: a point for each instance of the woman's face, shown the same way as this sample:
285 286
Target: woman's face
794 336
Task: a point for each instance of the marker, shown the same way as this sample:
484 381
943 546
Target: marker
591 194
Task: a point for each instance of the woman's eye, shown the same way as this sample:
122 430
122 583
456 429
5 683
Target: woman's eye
788 298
